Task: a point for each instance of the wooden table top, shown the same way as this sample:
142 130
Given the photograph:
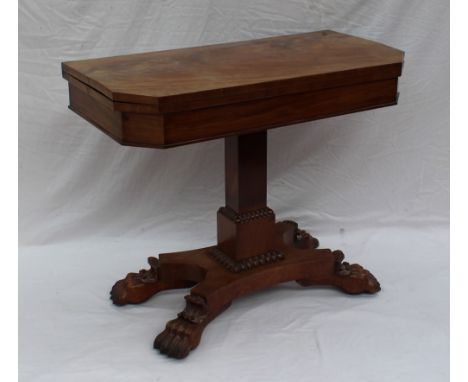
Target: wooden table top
186 94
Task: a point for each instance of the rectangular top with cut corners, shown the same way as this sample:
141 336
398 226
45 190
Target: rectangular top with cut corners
174 97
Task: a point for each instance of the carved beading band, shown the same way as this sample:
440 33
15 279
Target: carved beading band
245 217
246 264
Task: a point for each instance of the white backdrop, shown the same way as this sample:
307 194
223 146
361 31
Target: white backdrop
374 184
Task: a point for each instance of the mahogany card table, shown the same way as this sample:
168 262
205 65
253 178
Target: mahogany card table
235 91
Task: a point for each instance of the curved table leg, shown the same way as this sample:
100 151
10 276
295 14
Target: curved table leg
136 288
350 278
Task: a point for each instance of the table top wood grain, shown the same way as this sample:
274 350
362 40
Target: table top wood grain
167 98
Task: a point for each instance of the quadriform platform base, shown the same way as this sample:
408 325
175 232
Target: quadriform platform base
268 253
215 286
237 92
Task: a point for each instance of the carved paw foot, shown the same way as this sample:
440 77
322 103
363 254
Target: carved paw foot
302 239
350 278
353 278
178 339
137 287
184 333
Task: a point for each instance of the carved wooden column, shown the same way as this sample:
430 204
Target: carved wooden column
246 224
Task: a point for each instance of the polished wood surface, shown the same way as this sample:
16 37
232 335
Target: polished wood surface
246 171
234 91
169 98
214 74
